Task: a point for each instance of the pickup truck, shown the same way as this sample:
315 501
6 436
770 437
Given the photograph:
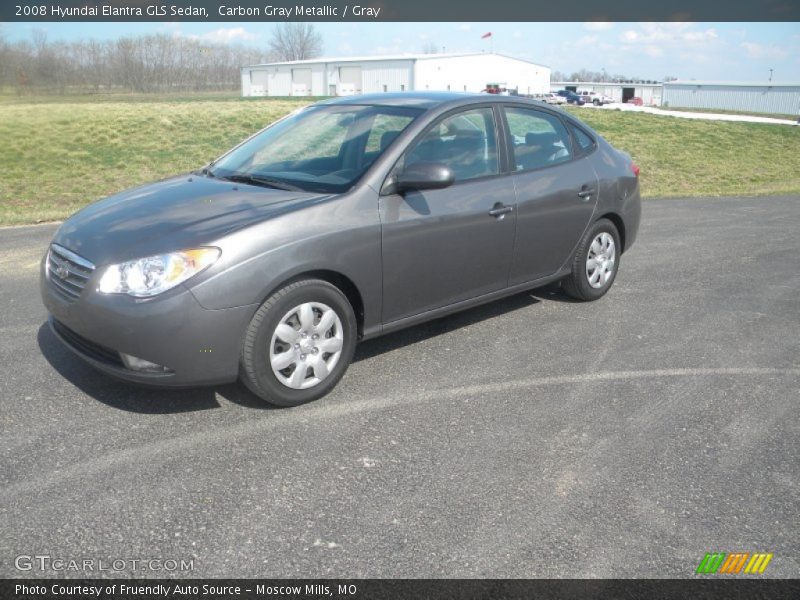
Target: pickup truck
595 98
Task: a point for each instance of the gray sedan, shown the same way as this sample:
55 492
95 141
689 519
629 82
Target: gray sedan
343 221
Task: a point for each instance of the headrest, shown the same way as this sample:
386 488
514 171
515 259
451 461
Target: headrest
544 138
387 138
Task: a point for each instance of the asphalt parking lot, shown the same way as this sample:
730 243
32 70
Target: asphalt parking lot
533 437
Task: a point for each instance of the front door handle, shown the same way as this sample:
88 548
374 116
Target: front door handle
585 193
500 209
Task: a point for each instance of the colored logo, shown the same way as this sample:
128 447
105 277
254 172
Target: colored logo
733 563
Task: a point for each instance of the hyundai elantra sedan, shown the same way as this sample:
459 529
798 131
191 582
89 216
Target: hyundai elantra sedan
343 221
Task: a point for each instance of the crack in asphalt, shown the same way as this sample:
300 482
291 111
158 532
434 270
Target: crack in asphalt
168 448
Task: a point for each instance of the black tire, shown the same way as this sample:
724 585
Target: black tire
596 102
576 284
255 370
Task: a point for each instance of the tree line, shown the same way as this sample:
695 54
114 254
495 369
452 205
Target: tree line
145 63
588 76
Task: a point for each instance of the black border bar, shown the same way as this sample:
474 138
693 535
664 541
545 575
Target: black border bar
406 10
711 588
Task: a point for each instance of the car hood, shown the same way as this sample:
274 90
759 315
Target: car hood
173 214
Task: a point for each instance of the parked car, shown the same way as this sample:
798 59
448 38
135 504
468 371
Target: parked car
595 98
636 100
552 98
571 97
343 221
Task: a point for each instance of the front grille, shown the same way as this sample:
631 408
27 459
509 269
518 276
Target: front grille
87 347
67 272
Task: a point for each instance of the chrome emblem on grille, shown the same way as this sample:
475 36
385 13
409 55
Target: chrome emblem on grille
62 271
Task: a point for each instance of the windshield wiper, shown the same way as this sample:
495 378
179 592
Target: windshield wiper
258 180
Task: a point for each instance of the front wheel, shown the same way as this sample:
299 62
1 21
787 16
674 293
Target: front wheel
299 343
595 264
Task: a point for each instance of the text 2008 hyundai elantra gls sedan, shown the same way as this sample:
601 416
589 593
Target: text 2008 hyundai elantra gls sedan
345 220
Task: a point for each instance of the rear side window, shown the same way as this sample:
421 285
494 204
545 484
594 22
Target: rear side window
465 142
538 139
585 143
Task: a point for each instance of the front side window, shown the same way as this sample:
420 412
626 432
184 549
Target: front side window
323 148
538 139
465 142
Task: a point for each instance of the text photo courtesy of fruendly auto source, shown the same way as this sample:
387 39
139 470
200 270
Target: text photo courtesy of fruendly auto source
361 299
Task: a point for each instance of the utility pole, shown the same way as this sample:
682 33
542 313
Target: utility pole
770 74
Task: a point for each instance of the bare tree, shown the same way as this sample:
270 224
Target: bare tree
295 41
430 48
142 64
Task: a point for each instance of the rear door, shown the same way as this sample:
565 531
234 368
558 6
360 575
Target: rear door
556 191
444 246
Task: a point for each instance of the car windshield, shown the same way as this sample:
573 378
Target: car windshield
320 149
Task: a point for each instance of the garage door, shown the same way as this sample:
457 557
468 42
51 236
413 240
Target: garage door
301 82
351 76
258 83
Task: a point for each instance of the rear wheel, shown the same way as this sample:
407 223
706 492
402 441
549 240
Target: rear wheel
595 264
299 343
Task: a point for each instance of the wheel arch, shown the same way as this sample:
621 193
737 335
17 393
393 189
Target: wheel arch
343 283
619 224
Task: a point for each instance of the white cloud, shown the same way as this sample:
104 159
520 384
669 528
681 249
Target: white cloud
465 27
758 51
383 50
629 36
668 33
226 35
597 25
587 40
653 51
517 34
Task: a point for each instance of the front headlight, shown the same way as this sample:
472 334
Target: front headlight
153 275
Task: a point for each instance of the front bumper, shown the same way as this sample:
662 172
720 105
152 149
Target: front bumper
198 346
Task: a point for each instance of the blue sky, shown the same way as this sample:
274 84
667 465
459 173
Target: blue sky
727 51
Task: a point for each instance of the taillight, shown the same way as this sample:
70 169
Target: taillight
635 169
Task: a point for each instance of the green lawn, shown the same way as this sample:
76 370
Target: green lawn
690 157
60 153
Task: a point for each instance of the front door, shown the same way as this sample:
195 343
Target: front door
443 246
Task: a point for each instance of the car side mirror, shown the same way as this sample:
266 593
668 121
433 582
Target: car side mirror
424 176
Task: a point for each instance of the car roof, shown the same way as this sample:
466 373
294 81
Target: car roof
428 100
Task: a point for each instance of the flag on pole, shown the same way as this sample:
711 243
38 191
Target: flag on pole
488 34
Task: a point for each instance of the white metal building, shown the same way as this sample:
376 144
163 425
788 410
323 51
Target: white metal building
650 93
746 96
370 74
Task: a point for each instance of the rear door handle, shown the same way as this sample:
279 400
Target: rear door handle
500 209
585 193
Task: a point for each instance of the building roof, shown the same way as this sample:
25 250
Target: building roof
735 83
386 57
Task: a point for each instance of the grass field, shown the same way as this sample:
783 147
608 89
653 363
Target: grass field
58 154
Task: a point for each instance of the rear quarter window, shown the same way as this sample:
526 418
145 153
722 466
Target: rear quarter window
585 143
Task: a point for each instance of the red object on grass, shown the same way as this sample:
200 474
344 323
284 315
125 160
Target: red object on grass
635 169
